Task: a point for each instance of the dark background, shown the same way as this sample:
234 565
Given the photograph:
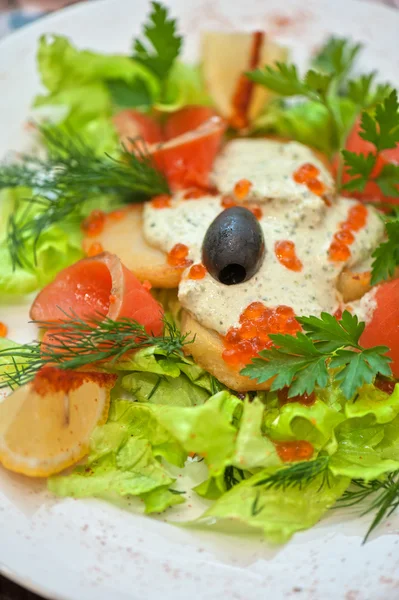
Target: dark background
12 591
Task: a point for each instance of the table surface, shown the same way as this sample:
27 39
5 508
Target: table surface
23 13
12 591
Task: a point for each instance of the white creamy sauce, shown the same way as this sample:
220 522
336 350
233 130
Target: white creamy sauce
308 222
365 307
269 166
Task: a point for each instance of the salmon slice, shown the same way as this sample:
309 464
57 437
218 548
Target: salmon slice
98 286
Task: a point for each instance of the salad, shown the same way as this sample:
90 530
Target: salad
213 251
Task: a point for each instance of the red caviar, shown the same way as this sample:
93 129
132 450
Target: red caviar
316 186
306 172
241 189
339 250
197 272
3 329
93 225
338 314
53 380
228 202
308 175
257 211
116 215
94 249
294 451
161 201
147 285
257 322
177 256
357 217
286 255
305 399
193 194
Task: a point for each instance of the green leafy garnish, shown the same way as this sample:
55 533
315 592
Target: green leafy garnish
382 494
299 475
160 45
337 57
382 130
69 176
78 343
329 349
327 87
386 256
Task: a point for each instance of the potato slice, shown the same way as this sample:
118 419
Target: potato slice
226 56
207 348
124 237
353 284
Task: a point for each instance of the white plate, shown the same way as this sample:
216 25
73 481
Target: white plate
88 550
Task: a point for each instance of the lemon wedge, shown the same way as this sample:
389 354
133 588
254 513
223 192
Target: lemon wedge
45 425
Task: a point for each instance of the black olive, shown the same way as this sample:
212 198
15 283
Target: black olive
233 247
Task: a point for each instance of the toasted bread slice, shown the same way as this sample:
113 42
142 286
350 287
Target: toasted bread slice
207 348
124 237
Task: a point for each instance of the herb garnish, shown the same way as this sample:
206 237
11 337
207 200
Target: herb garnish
386 255
71 174
77 343
160 45
382 130
384 496
298 475
327 86
72 167
303 362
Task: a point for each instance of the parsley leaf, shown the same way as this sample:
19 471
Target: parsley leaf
382 130
303 362
359 167
134 95
283 79
337 57
388 180
161 44
386 256
363 94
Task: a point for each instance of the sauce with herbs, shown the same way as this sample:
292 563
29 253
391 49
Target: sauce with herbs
289 212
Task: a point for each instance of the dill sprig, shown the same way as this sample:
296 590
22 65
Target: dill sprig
72 167
383 496
233 476
299 475
70 174
77 343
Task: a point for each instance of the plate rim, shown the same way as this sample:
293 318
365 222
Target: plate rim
12 39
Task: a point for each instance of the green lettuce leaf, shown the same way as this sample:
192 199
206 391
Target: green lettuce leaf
132 471
88 86
358 454
161 498
295 421
163 379
127 419
205 430
58 247
253 449
125 458
305 122
277 513
366 443
184 85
